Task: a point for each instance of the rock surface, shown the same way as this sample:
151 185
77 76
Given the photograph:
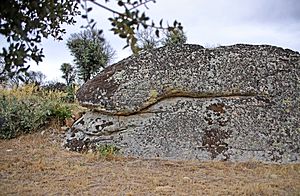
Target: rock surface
236 103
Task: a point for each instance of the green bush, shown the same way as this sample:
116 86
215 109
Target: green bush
24 111
60 111
107 150
21 116
70 97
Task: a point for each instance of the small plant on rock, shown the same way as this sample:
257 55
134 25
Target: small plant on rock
107 150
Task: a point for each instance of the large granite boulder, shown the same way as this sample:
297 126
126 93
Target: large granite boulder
239 102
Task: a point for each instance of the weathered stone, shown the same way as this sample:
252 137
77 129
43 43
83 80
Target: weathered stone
237 102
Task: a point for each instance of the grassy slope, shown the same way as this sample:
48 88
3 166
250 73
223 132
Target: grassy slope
36 164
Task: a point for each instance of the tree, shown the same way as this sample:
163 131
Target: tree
2 66
91 52
175 37
69 73
24 23
147 40
34 77
125 23
31 77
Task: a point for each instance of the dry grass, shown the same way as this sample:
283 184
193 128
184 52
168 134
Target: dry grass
30 90
36 164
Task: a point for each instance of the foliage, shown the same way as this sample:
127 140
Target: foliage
68 92
71 91
54 86
25 23
3 78
69 73
147 39
91 52
126 22
60 111
34 77
30 77
26 109
175 37
107 150
20 116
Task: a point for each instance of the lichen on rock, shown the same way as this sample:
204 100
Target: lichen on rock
237 102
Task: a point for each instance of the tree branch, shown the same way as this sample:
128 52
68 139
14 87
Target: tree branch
142 3
106 8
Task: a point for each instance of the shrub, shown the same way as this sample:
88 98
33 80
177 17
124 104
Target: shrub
60 111
27 109
70 97
21 115
68 92
107 150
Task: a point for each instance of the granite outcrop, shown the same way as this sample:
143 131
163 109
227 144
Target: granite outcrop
236 103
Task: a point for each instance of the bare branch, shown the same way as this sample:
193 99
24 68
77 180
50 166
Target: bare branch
106 8
142 3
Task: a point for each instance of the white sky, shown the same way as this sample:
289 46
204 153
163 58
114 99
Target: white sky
206 22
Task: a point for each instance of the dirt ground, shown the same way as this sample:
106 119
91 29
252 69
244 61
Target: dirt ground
36 164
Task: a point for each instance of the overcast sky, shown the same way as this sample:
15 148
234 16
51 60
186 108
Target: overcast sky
206 22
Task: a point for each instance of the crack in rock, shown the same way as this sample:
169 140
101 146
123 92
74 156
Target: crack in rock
172 95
